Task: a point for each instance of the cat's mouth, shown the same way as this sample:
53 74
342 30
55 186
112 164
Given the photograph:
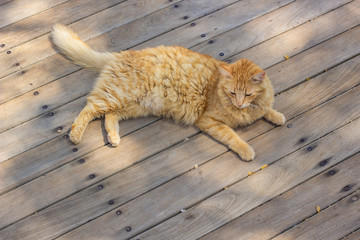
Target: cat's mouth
245 106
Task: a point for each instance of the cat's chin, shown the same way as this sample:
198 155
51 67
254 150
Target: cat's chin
242 107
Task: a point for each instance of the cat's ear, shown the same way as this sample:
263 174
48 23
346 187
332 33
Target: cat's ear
226 71
258 78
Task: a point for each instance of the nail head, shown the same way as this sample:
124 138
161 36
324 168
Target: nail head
36 93
75 150
309 148
185 17
51 114
289 125
92 176
176 6
221 54
8 52
323 163
81 160
111 202
45 107
2 45
354 198
203 35
128 229
192 24
332 172
347 188
118 212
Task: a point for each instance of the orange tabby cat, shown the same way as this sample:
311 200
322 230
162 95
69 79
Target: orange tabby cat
190 87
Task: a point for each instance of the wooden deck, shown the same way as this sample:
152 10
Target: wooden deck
166 181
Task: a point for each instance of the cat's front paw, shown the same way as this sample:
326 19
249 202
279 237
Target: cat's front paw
275 117
114 139
279 119
246 153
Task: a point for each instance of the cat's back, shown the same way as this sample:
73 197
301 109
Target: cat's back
176 81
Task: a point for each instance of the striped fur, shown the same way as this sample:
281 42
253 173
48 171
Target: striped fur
172 82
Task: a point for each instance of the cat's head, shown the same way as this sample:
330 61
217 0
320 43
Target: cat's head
242 82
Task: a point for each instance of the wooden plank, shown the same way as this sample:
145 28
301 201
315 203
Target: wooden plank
58 151
45 128
267 155
272 24
24 112
353 236
2 2
332 83
307 35
337 220
252 191
153 24
39 24
289 209
216 23
90 27
117 159
20 9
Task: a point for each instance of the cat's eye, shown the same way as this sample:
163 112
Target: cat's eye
232 93
248 95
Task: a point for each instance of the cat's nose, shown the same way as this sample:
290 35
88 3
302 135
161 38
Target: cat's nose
240 103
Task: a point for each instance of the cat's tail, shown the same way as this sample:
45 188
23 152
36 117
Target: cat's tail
78 51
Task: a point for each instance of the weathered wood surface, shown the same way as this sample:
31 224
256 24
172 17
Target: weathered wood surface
258 188
353 236
294 206
332 223
330 80
323 52
288 145
39 24
44 185
16 10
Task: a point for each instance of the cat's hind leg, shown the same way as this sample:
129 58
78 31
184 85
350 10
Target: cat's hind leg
275 117
112 128
87 114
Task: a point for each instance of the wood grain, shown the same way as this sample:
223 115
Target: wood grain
294 206
271 24
303 37
331 224
353 236
258 188
16 10
152 24
215 23
41 23
264 155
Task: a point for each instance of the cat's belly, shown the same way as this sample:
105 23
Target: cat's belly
154 104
